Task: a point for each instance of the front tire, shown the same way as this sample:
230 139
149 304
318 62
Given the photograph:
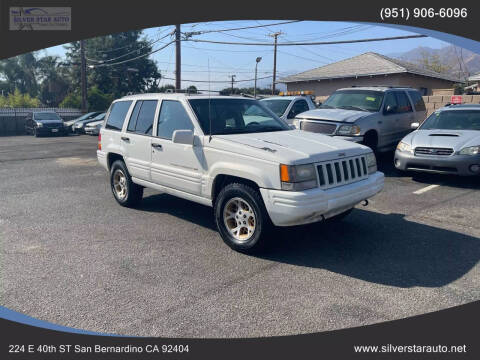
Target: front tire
124 190
241 218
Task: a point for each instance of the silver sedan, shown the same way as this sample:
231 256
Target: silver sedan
448 142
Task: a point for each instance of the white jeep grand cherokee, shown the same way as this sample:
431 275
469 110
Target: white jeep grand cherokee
233 154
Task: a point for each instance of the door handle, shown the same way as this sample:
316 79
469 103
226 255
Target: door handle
124 138
156 146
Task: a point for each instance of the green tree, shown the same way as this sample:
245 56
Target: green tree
19 100
54 84
20 72
72 100
97 100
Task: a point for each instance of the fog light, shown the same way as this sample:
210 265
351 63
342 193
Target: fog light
475 168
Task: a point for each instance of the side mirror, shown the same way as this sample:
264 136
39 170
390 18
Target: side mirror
183 137
389 109
414 125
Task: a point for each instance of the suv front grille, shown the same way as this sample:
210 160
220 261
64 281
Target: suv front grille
433 151
341 172
318 127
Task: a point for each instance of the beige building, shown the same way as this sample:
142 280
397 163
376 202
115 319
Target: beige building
368 69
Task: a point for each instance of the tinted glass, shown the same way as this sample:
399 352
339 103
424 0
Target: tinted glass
117 115
235 116
277 106
453 120
146 117
364 100
133 118
300 106
417 101
172 117
403 102
391 100
47 116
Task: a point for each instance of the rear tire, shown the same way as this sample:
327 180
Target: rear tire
241 218
124 190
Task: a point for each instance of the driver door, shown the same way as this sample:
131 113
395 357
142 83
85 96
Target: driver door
177 166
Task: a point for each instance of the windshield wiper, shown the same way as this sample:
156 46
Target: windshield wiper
353 107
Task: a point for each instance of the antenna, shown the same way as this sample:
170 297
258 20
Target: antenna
209 98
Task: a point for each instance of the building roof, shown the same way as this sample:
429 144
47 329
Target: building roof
475 77
368 64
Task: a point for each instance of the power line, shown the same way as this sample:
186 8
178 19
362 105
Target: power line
220 81
310 43
238 28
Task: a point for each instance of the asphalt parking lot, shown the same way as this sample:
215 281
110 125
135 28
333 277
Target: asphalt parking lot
72 256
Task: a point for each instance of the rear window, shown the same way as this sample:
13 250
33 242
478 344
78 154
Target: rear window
117 115
417 100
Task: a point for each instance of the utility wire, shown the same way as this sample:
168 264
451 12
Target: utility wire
220 81
310 43
238 28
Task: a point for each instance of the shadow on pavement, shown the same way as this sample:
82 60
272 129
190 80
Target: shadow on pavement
374 247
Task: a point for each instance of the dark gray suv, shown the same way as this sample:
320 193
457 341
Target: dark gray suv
376 116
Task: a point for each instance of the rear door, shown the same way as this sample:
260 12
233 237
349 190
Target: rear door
137 139
388 127
418 105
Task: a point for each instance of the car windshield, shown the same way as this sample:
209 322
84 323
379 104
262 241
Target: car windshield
99 117
453 120
277 106
363 100
46 116
235 116
87 116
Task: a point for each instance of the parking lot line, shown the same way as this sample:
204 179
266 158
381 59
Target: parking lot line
425 189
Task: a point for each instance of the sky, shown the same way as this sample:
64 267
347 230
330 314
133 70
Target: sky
217 62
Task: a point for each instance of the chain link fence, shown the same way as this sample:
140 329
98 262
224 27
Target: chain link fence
12 120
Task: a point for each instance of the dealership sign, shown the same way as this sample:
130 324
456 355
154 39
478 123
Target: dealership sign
40 18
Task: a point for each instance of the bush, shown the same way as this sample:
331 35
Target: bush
72 101
19 100
98 100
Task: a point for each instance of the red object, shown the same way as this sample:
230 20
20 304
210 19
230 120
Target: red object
456 99
99 141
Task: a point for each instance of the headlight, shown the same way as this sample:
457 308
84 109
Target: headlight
471 150
39 124
298 177
404 147
371 163
348 130
296 123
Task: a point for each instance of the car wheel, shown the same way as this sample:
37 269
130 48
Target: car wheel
241 218
126 192
371 140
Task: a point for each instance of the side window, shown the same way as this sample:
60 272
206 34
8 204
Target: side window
145 118
403 102
417 100
172 117
298 107
390 105
117 115
133 118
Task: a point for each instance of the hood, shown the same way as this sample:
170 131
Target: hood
94 123
289 147
338 115
456 139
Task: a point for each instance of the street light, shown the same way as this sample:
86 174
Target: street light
258 59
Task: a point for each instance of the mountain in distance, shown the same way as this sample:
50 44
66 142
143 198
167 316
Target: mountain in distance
457 60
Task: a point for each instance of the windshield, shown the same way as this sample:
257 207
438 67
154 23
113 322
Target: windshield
277 106
47 116
99 117
363 100
86 116
453 120
235 116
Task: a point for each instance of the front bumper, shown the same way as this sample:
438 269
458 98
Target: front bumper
452 164
355 139
50 131
287 208
91 131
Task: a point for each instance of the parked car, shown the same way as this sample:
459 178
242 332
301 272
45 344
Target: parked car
376 116
87 116
234 154
287 107
79 126
40 123
448 141
94 127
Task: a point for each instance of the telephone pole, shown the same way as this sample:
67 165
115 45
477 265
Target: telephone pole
178 59
233 79
275 36
83 75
